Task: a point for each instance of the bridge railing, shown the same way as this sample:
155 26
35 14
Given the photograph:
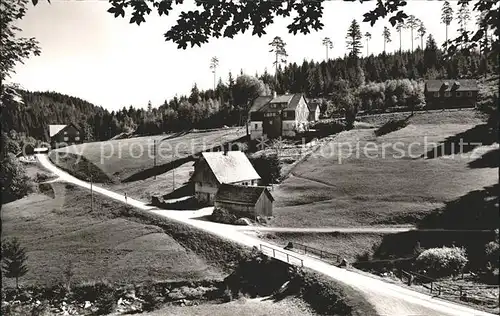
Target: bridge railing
281 255
467 293
311 251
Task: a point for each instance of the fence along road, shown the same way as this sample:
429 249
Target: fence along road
281 255
388 299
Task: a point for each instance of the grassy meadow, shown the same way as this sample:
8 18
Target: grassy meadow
163 184
59 229
384 182
122 159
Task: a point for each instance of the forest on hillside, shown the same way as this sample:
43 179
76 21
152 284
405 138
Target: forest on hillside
337 83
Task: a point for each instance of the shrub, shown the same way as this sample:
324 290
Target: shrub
227 296
268 167
492 251
14 182
330 127
43 176
91 291
441 262
223 216
106 303
391 126
151 299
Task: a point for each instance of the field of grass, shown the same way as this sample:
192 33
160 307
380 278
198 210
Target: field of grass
98 244
360 179
163 184
125 158
455 116
241 307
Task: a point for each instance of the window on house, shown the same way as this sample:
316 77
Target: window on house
256 126
458 94
436 94
77 138
447 94
469 93
66 139
65 133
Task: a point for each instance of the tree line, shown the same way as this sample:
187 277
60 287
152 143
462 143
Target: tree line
229 102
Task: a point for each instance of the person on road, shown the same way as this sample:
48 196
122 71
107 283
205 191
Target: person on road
125 197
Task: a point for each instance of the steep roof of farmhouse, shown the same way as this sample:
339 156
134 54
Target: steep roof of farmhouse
282 98
291 100
239 194
451 85
259 102
54 129
231 167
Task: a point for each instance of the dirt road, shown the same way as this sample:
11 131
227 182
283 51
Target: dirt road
388 299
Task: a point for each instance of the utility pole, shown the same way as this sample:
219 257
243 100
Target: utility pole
154 153
91 195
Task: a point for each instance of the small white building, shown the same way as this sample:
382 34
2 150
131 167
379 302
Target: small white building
216 168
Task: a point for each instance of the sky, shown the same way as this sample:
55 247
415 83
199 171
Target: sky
88 53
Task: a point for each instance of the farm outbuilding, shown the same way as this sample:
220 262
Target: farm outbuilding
216 168
64 135
245 201
451 93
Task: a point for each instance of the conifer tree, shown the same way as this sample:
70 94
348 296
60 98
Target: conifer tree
14 260
446 18
353 39
387 36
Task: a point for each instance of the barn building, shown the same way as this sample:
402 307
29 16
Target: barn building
64 135
245 201
445 94
216 168
278 116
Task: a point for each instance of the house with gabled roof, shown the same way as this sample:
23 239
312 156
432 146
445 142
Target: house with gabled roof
245 201
224 167
451 93
64 135
278 116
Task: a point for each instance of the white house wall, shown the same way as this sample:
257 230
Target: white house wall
301 112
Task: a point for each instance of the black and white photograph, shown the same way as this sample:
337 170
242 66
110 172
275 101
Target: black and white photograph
249 157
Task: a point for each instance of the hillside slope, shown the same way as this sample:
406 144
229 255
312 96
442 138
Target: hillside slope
98 242
361 179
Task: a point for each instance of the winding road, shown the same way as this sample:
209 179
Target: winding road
387 298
